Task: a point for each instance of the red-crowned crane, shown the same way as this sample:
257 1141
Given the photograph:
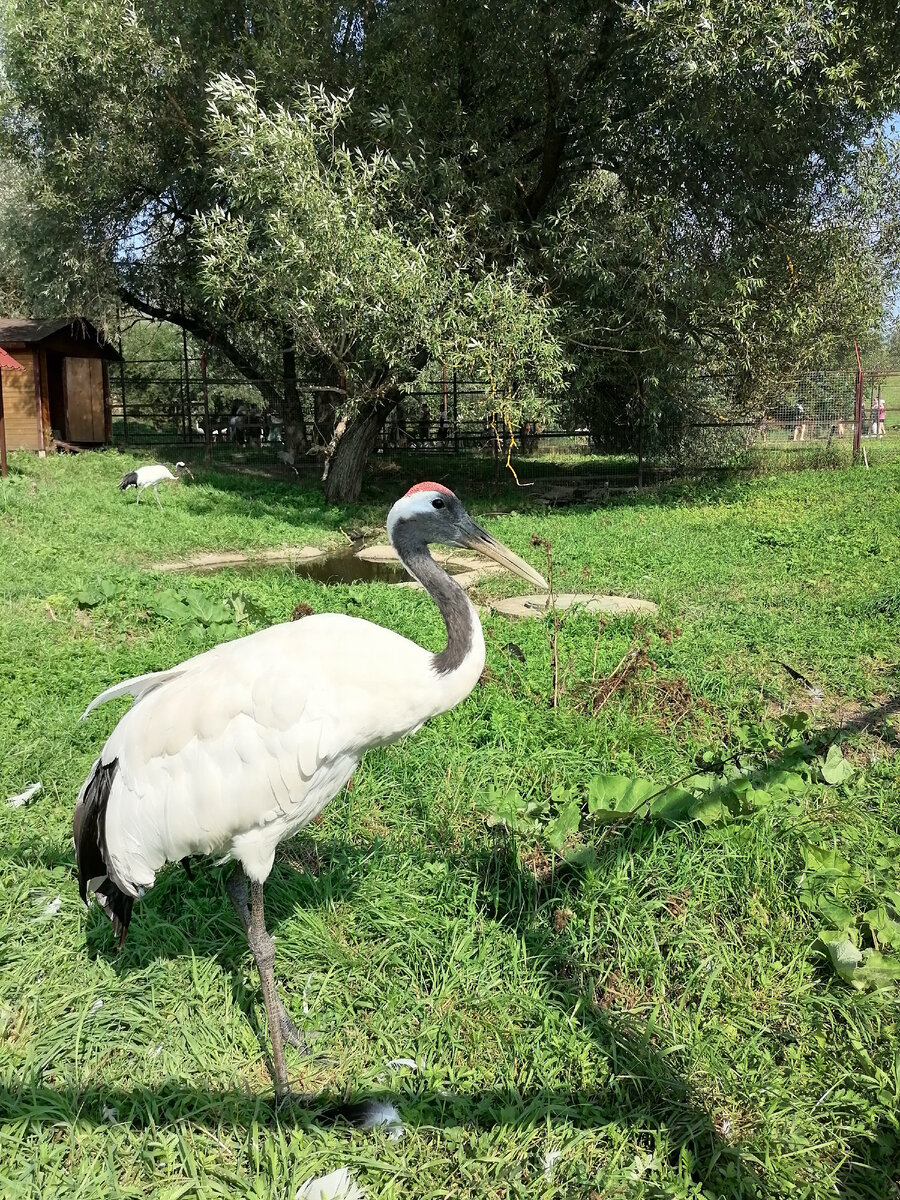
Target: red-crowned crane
151 477
235 750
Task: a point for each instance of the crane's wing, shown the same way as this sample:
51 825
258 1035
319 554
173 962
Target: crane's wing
137 687
237 748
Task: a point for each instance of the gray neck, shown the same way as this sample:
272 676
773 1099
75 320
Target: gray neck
454 604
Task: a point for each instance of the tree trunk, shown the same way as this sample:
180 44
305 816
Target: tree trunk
346 464
325 417
293 409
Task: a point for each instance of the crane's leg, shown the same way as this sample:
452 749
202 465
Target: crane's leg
237 894
139 490
156 494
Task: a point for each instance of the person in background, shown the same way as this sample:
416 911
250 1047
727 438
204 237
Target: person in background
881 415
424 424
799 422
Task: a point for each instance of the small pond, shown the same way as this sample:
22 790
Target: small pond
338 567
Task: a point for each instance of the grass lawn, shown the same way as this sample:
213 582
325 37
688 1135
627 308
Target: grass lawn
656 1012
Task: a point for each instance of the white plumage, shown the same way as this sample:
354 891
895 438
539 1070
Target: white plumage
152 477
235 750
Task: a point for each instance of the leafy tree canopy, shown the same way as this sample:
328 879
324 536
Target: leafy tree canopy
619 191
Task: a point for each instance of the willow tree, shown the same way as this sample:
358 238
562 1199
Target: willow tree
658 182
371 280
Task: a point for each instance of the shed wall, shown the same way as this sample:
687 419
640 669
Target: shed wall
19 404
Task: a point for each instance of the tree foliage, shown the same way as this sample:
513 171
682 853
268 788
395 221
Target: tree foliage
628 192
340 248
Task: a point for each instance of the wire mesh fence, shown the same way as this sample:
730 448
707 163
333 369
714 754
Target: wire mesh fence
450 430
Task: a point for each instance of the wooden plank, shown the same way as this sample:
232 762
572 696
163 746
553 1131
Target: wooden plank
2 433
97 413
19 406
43 399
79 400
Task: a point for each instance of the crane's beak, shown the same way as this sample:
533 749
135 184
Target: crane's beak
473 537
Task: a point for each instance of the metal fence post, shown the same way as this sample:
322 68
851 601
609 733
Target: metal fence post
455 416
857 407
206 420
640 471
122 391
187 421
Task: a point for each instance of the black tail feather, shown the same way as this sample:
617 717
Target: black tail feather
89 829
128 481
117 907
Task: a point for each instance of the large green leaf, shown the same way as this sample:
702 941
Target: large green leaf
95 593
171 606
207 611
708 811
862 969
504 807
566 823
835 768
834 912
672 805
846 957
89 597
882 926
785 782
613 797
604 789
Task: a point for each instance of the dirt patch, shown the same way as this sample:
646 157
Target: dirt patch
843 713
676 905
561 918
617 992
667 701
539 864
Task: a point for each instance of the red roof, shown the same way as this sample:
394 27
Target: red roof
8 362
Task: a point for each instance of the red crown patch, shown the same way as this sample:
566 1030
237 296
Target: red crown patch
429 487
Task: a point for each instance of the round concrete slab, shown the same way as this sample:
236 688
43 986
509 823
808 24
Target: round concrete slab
383 553
377 554
536 606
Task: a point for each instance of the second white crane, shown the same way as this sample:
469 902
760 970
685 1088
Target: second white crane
151 477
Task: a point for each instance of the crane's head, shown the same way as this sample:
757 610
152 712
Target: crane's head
429 512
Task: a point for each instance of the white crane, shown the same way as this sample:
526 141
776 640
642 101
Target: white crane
151 477
235 750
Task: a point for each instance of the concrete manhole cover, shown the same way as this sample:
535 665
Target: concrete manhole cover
536 606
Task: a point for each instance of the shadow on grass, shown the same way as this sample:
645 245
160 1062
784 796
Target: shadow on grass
873 1170
647 1094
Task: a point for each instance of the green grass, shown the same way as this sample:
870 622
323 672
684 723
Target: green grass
662 1020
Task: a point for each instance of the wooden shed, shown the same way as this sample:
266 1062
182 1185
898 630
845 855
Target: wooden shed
63 393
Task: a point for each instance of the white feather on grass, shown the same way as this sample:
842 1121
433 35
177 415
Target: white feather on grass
24 797
339 1185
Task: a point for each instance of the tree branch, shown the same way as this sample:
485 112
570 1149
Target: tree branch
250 369
551 151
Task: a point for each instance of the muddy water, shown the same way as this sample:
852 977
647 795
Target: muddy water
345 567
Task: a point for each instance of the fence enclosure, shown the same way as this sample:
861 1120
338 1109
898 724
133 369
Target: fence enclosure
449 430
